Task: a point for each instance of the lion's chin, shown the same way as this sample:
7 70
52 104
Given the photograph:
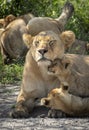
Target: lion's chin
51 73
44 61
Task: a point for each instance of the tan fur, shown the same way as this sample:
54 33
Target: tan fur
26 17
1 31
36 81
12 44
60 99
4 22
1 22
8 19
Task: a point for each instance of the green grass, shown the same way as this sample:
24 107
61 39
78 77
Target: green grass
10 74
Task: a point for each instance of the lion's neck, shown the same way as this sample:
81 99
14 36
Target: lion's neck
44 72
65 77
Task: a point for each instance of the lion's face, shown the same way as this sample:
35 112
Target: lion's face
60 68
47 45
50 101
56 97
56 68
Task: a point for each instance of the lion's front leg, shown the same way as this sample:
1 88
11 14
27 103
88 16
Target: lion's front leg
24 106
20 111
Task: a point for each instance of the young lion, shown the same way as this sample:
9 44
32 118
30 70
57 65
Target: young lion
61 99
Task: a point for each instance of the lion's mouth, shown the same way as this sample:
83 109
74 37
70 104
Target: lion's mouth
50 70
43 59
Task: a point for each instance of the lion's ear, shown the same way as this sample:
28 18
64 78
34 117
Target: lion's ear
2 22
68 38
28 39
64 86
66 62
10 18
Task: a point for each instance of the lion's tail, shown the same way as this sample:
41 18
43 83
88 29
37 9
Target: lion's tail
66 13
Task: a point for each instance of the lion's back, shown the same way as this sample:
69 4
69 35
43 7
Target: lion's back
38 24
79 84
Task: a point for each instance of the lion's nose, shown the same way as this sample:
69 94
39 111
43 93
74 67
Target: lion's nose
43 51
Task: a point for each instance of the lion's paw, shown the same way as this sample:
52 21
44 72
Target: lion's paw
56 114
19 114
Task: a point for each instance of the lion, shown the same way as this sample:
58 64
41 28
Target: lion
12 45
11 40
36 82
61 99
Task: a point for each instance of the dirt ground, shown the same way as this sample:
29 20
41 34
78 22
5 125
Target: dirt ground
38 119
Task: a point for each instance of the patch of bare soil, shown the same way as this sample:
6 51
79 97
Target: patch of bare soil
38 119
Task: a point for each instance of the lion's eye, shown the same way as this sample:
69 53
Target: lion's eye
55 63
52 42
36 43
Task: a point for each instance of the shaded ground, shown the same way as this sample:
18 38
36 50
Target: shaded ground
8 94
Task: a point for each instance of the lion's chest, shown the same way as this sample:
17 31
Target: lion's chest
48 82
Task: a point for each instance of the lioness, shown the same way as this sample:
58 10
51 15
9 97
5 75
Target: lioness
36 83
12 45
61 99
11 40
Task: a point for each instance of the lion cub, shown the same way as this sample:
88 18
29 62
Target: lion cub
61 99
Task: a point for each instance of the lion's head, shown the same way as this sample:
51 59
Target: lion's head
56 98
47 45
60 68
8 19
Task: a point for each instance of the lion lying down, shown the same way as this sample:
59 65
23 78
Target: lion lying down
61 99
73 73
11 42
